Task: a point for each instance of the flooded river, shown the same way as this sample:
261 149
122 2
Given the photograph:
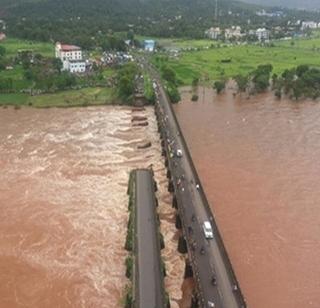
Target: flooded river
63 205
258 159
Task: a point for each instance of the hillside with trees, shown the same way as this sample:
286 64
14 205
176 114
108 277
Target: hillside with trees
88 22
298 4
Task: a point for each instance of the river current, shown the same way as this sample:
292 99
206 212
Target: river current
63 205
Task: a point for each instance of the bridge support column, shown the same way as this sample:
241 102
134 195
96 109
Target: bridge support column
174 202
182 245
168 174
188 272
166 162
170 187
178 222
194 301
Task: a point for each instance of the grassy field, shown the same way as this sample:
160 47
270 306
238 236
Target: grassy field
209 64
71 98
311 43
13 45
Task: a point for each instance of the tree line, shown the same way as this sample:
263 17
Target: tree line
302 81
86 22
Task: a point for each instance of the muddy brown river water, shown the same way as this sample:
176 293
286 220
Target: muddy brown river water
63 203
258 159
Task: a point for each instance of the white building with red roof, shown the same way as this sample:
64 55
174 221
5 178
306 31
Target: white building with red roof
71 57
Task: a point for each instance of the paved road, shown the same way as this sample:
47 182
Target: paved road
191 202
149 290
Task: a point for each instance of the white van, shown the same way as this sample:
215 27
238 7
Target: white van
207 229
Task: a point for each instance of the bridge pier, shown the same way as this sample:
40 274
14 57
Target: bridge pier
182 245
194 301
178 222
168 174
174 202
188 272
170 186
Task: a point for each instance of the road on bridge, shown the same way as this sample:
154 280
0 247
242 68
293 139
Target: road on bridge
212 264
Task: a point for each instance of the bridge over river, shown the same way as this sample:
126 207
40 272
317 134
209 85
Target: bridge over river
216 282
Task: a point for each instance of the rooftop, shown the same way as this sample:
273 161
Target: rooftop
66 47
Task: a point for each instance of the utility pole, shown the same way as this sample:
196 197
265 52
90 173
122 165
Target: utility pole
216 12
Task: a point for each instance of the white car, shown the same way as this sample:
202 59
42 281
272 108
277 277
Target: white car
179 153
207 229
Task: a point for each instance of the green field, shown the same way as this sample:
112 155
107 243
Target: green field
71 98
208 64
13 45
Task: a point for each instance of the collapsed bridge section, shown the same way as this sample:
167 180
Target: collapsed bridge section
144 241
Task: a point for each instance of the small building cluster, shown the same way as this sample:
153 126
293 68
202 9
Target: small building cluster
71 58
213 33
309 25
235 32
262 34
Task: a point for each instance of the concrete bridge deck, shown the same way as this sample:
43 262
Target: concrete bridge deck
193 210
149 288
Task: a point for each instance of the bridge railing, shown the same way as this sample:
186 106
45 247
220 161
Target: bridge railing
218 236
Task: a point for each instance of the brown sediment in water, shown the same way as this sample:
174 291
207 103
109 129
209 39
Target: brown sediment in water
63 207
258 161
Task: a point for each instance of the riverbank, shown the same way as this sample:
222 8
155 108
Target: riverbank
70 98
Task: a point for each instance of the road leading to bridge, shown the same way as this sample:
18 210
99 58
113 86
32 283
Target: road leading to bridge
213 272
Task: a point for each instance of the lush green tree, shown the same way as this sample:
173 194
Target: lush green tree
301 69
173 93
2 51
242 82
125 87
168 74
57 64
219 85
130 35
261 82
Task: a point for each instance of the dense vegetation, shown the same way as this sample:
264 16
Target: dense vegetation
307 4
91 23
299 82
